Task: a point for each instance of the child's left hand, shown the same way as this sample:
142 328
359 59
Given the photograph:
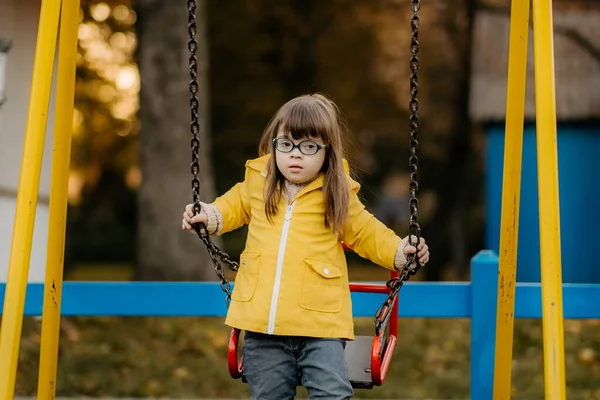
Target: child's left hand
423 253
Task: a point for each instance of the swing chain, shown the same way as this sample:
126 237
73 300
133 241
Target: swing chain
194 125
414 228
394 285
217 256
412 265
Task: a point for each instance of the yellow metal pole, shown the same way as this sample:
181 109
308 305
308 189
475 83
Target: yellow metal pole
61 156
511 194
551 274
31 165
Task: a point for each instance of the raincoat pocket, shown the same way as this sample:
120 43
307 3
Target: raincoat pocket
247 277
321 287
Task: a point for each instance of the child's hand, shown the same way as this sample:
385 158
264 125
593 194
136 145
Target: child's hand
190 219
423 253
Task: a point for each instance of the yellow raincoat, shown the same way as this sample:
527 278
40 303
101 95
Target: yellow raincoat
293 277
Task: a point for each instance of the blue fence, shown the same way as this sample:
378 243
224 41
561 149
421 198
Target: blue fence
475 300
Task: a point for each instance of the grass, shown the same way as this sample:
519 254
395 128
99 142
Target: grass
186 357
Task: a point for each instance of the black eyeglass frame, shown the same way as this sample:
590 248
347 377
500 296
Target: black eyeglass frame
319 146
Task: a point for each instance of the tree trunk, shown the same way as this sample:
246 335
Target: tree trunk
165 252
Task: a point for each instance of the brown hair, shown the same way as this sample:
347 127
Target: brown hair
313 116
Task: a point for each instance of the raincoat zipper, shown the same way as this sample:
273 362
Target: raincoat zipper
277 284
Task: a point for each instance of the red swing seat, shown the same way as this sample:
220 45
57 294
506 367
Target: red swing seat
368 357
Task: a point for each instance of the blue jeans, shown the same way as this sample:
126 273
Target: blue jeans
274 364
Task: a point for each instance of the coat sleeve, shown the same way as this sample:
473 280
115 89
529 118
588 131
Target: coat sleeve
234 205
366 235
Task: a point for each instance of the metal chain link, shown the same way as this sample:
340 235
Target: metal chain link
382 316
414 228
412 265
217 256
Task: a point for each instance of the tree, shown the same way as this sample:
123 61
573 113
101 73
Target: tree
164 251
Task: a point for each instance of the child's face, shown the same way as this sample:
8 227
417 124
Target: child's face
296 166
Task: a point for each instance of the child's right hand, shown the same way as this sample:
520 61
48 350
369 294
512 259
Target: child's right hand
189 219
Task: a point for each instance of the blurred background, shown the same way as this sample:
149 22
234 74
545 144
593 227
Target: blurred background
130 169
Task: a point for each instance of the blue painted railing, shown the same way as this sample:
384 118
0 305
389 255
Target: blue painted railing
475 300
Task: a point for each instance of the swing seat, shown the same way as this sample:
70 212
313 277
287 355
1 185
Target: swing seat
368 357
363 356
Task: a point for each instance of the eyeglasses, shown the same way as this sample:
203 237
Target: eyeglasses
306 147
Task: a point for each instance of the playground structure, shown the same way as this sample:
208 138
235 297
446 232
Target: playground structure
493 281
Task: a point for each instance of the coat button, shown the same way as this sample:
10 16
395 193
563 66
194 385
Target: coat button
326 271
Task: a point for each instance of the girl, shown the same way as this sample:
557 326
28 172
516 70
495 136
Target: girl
291 293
